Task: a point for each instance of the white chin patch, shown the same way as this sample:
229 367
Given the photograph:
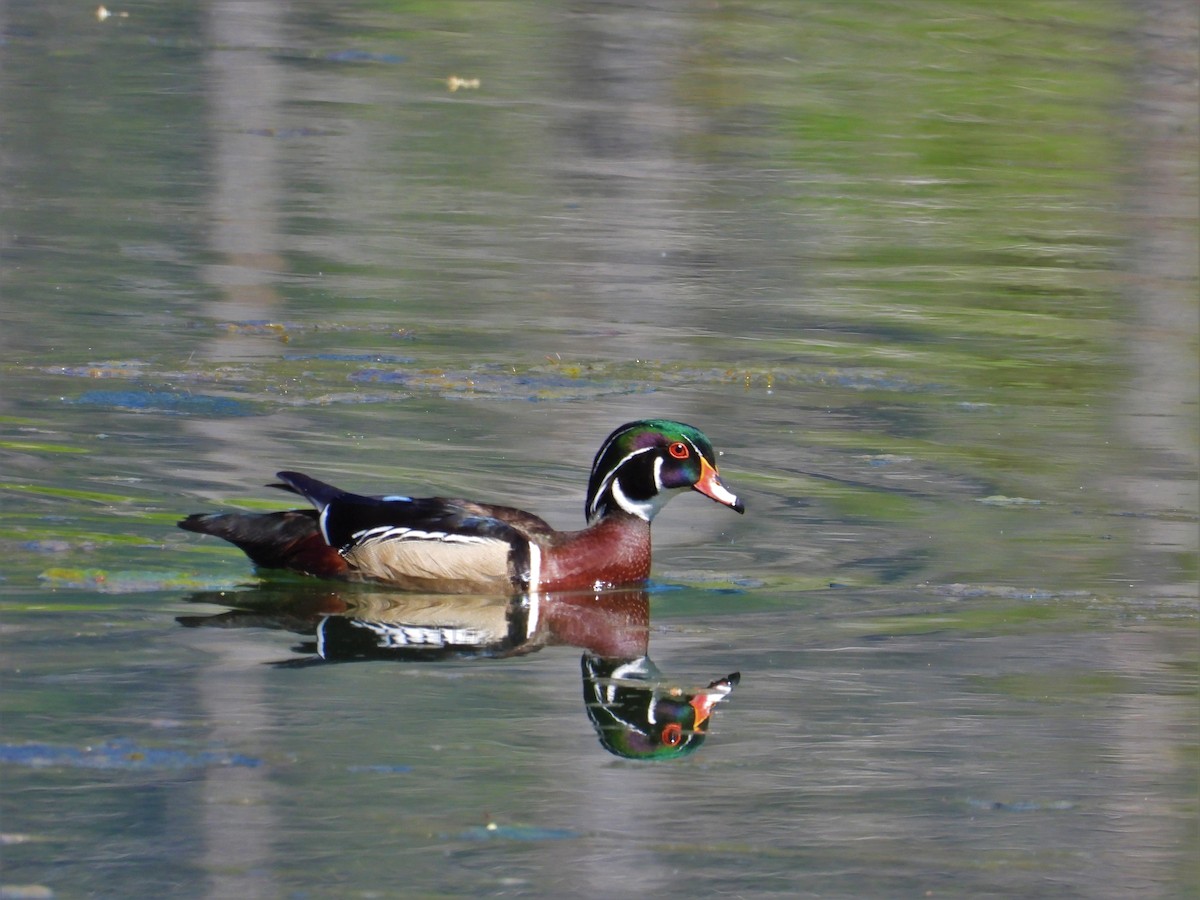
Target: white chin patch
643 509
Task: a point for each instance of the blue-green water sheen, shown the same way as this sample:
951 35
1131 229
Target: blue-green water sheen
926 275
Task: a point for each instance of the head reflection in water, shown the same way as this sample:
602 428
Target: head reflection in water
639 715
636 710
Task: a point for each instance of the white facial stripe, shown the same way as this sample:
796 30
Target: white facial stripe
608 479
658 467
644 510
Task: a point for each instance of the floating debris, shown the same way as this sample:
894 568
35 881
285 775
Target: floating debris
166 402
493 832
108 369
359 56
878 460
258 327
105 582
716 582
1005 592
454 83
283 329
117 754
858 380
1020 805
999 500
380 769
498 383
379 358
52 546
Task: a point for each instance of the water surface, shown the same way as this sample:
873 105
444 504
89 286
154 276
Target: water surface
925 273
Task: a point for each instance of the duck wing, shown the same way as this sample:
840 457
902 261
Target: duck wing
425 543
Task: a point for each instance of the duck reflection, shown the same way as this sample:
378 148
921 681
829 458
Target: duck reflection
639 714
637 711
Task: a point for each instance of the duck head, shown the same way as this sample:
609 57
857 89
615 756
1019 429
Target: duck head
643 464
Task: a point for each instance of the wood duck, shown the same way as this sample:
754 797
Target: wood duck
638 714
441 545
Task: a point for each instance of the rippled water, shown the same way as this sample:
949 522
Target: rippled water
925 273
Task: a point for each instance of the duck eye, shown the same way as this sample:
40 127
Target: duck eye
679 450
672 734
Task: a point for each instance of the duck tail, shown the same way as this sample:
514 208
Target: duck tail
281 540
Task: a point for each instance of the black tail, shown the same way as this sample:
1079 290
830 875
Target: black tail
282 540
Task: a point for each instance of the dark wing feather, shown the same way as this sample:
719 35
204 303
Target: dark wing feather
362 511
281 540
426 543
531 526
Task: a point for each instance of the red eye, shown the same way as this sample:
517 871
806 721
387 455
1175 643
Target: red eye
672 734
679 450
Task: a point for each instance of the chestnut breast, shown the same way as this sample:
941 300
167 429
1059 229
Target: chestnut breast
612 552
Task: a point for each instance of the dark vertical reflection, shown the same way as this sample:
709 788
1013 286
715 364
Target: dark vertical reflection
625 228
627 235
1158 415
1159 408
245 92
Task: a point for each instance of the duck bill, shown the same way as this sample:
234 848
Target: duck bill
710 486
704 701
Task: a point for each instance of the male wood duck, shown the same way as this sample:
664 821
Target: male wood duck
442 545
638 714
